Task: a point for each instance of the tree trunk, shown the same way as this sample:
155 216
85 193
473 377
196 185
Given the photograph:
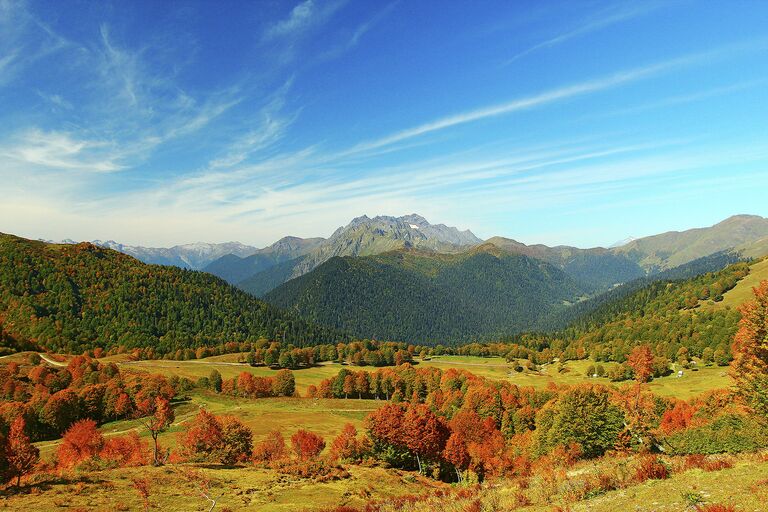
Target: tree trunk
458 473
418 460
154 438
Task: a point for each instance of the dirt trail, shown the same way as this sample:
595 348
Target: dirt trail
50 361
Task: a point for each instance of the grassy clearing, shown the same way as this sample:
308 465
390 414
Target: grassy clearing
241 488
202 368
745 486
742 292
692 383
325 417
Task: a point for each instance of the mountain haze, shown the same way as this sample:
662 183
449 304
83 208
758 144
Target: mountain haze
234 268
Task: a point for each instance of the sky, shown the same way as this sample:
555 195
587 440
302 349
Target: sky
579 123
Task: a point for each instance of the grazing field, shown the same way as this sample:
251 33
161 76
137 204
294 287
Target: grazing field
742 292
240 488
693 382
229 368
325 417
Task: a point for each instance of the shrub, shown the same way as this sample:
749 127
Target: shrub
651 467
730 433
125 451
715 507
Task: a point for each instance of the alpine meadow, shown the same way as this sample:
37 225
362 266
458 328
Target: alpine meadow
337 256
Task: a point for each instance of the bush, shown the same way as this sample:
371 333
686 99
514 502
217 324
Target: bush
651 467
125 451
730 433
82 441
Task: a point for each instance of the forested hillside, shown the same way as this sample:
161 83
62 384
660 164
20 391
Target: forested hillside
666 315
428 297
74 297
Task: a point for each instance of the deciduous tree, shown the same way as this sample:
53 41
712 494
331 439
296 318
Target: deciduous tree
750 349
307 445
22 454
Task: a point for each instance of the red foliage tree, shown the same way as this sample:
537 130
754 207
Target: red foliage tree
202 439
641 361
456 453
21 454
346 446
385 424
125 451
425 434
676 419
81 442
307 445
270 449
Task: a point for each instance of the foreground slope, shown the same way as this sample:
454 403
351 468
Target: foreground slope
429 297
73 297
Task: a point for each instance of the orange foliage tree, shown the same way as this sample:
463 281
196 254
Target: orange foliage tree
270 449
81 442
22 455
750 349
307 445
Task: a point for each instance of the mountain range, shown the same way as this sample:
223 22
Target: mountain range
403 278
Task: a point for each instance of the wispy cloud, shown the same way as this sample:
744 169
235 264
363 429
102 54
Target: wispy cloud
61 151
302 18
537 100
603 19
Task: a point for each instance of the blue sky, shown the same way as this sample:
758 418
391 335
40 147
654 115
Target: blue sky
158 123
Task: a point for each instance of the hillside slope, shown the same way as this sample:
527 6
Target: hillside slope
424 296
74 297
668 250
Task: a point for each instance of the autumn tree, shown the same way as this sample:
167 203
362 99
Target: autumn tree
124 451
270 449
750 349
641 362
202 440
583 415
456 453
284 384
425 434
158 416
307 445
346 446
22 455
236 440
82 441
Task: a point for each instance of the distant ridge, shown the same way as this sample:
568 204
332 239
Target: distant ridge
365 236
